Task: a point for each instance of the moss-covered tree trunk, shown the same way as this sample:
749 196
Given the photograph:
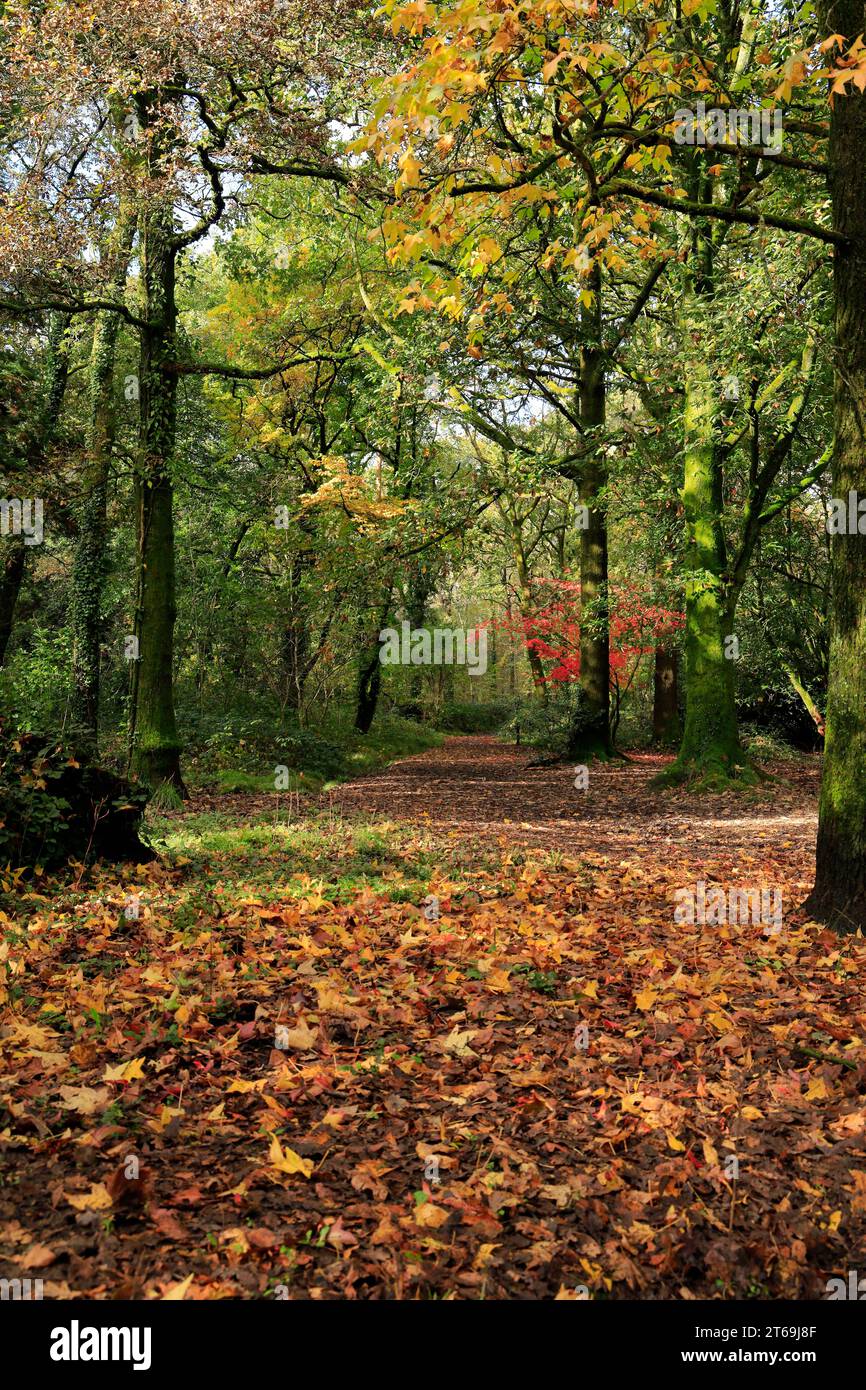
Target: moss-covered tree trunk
710 749
154 744
89 565
839 896
710 752
802 691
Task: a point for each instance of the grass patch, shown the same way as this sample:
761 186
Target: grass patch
244 758
281 860
233 780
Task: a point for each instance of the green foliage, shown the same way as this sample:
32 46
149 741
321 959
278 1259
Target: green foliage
389 738
546 724
766 745
166 797
252 746
483 718
56 806
242 753
231 780
34 685
34 824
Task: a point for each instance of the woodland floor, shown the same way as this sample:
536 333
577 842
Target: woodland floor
449 1046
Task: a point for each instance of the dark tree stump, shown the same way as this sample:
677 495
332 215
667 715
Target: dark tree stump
56 806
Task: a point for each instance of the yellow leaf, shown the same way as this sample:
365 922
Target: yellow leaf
177 1292
97 1199
711 1156
645 999
458 1042
817 1089
302 1038
287 1161
125 1071
166 1115
675 1144
498 981
410 170
428 1214
489 248
330 1000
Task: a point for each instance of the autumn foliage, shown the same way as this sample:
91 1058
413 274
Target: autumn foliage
552 629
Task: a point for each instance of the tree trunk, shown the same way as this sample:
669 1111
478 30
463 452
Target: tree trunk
369 685
89 565
58 372
808 703
370 675
421 586
839 895
11 576
710 751
154 744
14 550
666 715
296 639
536 665
590 733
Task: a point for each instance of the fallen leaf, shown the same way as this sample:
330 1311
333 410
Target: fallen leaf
177 1293
166 1222
38 1257
97 1199
287 1161
125 1071
85 1100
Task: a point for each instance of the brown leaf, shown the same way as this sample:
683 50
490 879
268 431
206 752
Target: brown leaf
38 1257
166 1222
262 1239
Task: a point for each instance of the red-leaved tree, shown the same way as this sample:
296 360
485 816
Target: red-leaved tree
551 631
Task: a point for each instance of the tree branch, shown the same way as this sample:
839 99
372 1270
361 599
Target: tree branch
724 214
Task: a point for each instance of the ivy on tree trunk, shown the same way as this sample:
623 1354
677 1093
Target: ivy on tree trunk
90 563
839 895
154 743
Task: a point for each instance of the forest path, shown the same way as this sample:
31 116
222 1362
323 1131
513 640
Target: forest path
482 788
533 1091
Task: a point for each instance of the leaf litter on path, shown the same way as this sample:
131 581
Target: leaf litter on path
517 1076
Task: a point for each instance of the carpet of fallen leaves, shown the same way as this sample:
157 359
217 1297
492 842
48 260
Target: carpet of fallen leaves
538 1091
